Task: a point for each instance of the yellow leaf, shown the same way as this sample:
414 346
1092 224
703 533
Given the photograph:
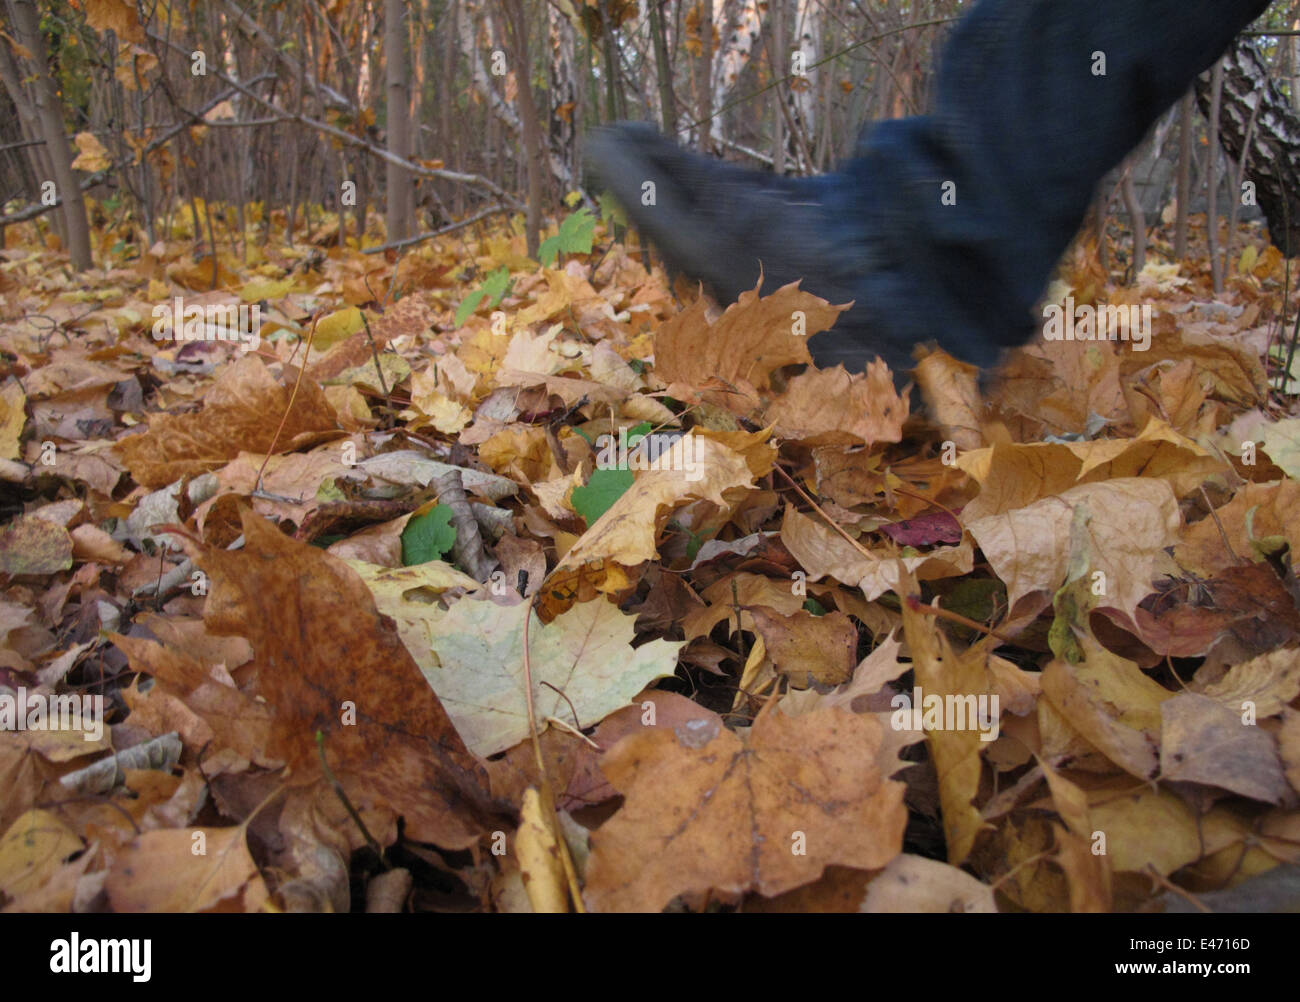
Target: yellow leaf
335 327
943 672
13 416
539 859
265 288
35 845
92 156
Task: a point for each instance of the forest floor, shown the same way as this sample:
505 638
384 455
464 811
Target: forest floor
785 642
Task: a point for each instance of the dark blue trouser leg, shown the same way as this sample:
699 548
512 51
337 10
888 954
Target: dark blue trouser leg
1025 126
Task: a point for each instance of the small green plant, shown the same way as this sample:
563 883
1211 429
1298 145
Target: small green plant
493 289
606 485
574 237
428 536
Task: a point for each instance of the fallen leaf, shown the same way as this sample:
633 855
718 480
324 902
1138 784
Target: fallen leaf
767 813
1204 741
916 884
585 655
326 661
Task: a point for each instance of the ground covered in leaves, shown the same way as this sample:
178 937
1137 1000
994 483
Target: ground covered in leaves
329 593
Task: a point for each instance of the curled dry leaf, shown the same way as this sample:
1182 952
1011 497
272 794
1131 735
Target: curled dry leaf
871 410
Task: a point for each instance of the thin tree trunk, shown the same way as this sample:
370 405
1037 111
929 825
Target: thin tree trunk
775 50
1212 180
535 154
741 33
400 198
1137 220
1248 94
24 103
1101 211
50 113
663 70
705 95
1184 184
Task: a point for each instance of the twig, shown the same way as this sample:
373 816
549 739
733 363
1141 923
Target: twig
830 521
1023 863
379 369
930 501
565 726
1168 885
452 228
1223 533
916 605
577 721
311 334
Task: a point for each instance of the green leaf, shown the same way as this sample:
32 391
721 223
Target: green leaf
637 432
610 210
493 289
468 306
497 285
575 237
600 492
607 484
428 536
810 604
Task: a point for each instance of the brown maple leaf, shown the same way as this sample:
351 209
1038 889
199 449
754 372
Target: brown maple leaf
705 809
327 661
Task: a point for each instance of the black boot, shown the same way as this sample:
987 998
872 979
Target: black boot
720 224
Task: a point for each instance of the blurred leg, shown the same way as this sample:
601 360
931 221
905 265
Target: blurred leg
946 226
1037 100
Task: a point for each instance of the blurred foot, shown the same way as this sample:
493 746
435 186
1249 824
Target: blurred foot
721 224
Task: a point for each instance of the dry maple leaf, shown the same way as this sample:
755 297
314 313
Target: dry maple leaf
1111 703
161 872
705 809
1130 522
808 648
323 657
241 412
837 407
1148 827
472 655
1016 475
411 316
950 389
753 337
694 467
822 552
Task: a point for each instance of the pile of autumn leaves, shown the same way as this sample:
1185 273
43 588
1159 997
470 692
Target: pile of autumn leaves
1105 550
